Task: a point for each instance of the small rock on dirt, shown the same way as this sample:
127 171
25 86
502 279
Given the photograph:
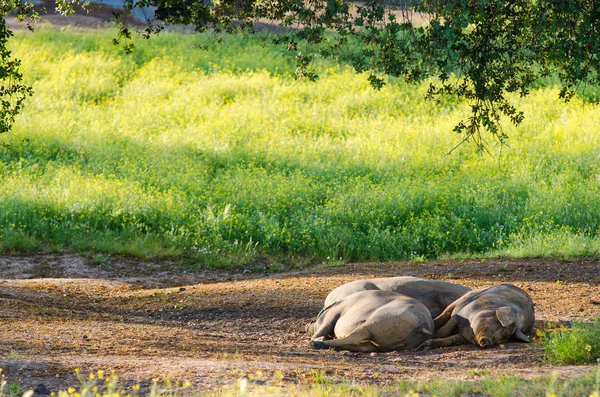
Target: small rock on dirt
42 390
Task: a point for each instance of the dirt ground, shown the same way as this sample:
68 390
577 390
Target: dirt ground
148 319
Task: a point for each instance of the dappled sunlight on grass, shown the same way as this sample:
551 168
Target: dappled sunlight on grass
215 155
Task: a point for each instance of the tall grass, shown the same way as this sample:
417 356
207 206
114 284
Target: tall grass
221 156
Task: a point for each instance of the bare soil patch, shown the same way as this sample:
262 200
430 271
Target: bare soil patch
147 319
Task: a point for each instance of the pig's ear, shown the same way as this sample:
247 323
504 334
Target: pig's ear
506 316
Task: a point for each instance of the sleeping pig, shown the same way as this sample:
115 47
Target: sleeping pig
485 317
436 295
373 321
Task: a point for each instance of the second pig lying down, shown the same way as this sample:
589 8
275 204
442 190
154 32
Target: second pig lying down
372 321
485 317
436 295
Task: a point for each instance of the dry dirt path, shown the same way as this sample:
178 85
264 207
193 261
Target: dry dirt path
143 320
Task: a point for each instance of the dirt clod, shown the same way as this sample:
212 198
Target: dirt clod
41 389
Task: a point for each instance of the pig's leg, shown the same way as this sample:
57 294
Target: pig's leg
457 339
448 328
326 328
357 341
443 318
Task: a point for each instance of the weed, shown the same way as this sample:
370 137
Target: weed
576 345
320 377
100 259
479 372
15 389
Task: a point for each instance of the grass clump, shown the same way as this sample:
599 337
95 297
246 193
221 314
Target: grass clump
579 344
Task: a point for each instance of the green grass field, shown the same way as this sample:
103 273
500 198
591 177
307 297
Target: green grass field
220 156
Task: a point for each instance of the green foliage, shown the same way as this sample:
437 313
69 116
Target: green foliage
579 344
12 92
208 155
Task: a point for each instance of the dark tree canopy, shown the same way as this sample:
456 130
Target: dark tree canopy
480 50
